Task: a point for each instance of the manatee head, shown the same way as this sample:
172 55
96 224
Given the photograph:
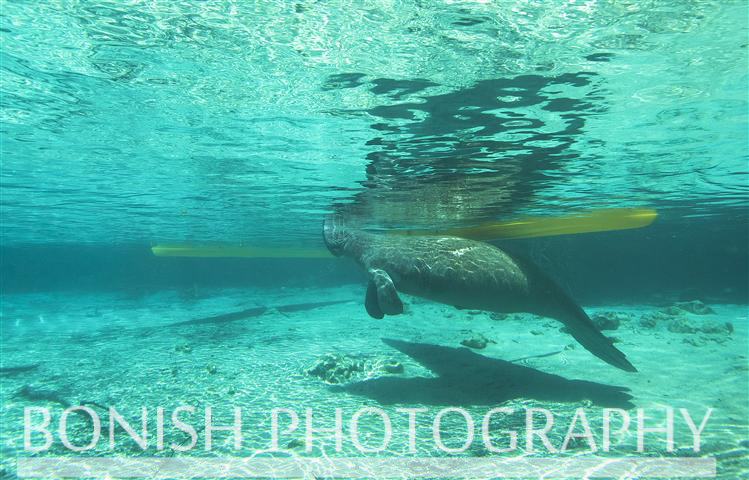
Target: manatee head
335 234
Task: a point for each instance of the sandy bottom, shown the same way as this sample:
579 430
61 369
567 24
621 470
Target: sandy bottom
102 350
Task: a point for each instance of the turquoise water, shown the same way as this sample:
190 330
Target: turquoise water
127 125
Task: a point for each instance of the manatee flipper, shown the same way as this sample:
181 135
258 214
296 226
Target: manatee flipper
382 297
371 303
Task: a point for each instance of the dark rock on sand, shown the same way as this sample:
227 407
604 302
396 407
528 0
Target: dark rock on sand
691 325
338 369
608 320
335 369
392 366
695 306
651 319
681 325
478 341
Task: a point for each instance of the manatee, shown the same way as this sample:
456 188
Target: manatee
465 274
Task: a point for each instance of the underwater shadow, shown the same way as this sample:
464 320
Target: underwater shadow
467 378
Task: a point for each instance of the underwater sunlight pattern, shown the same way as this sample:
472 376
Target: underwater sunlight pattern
541 210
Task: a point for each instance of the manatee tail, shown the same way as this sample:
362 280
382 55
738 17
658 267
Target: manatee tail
582 328
560 306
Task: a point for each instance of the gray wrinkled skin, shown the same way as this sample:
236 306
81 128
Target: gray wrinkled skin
450 270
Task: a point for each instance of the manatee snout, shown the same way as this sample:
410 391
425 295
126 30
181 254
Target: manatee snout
334 234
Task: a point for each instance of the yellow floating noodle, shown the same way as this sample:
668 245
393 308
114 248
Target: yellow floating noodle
595 221
236 251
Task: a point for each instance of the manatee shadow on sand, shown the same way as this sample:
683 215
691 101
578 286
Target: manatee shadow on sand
467 378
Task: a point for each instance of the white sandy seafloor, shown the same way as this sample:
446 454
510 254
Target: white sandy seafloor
106 350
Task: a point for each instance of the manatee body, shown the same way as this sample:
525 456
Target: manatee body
463 273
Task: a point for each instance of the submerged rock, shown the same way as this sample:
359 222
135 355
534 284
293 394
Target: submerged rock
608 320
392 366
651 319
681 325
681 319
337 369
509 316
673 311
692 325
478 341
695 306
717 327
